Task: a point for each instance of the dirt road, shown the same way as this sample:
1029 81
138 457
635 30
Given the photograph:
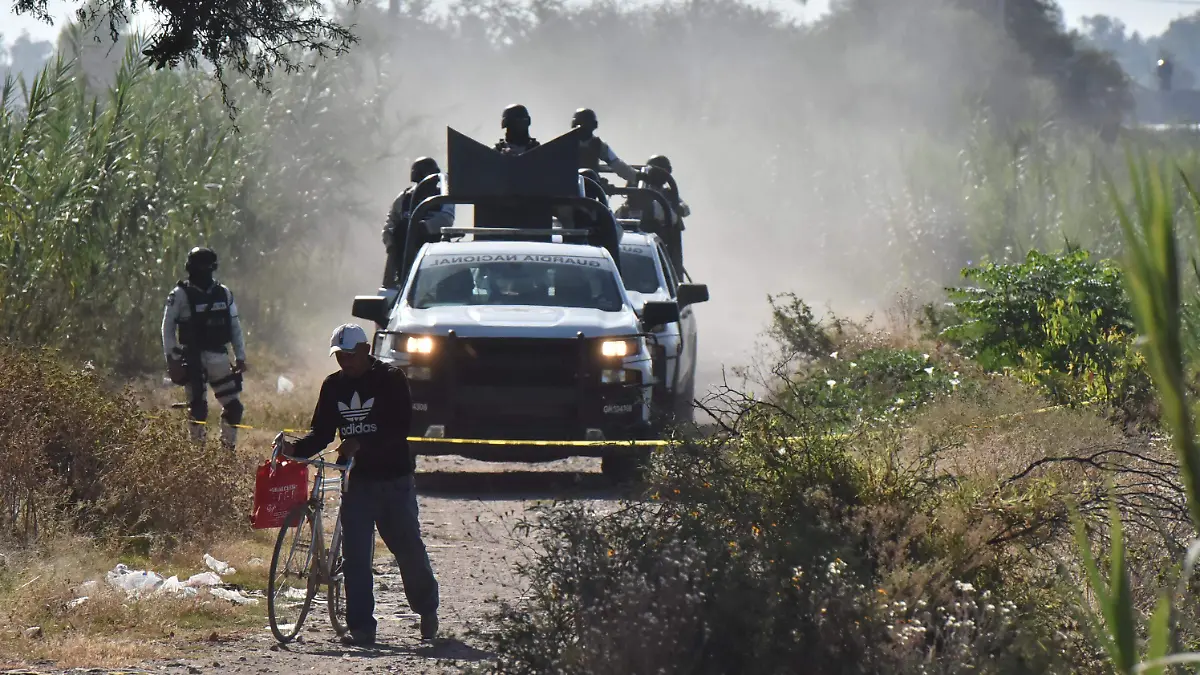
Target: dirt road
468 510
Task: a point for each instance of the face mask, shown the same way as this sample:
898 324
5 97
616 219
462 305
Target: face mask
201 278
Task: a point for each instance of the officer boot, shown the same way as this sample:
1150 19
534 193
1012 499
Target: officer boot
199 432
231 416
228 436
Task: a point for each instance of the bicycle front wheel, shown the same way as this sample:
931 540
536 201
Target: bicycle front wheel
289 591
336 594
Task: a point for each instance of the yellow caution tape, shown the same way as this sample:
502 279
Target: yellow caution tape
473 441
637 443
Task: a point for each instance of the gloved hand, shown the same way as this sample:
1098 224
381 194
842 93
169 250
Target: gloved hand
176 371
239 366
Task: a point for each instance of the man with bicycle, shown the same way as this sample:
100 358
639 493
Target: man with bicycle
367 403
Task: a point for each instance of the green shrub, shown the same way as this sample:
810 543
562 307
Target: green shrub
774 547
1062 322
755 555
1009 313
842 376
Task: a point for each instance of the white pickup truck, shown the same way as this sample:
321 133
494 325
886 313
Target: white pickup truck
522 340
649 276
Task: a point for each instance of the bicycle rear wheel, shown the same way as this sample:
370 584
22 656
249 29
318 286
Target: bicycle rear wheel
336 594
289 591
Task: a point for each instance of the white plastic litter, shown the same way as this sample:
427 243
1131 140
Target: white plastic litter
232 596
218 566
284 385
87 588
77 602
174 587
203 579
133 582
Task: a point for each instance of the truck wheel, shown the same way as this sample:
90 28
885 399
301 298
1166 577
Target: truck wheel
624 468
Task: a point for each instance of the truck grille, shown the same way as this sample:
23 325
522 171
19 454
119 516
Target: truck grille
528 362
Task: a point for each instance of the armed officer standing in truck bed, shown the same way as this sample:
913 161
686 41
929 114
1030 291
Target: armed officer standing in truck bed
593 151
395 232
515 121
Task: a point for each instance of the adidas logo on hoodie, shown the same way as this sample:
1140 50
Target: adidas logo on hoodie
354 413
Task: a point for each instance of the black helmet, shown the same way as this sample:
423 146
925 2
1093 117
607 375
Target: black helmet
661 162
201 259
586 118
422 169
515 113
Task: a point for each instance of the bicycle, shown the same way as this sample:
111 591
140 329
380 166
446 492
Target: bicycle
320 567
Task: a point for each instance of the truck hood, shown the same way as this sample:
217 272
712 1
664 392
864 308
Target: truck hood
516 321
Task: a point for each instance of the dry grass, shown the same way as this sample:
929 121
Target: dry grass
108 629
93 477
1003 427
268 409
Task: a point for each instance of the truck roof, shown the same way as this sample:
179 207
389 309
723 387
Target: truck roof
538 248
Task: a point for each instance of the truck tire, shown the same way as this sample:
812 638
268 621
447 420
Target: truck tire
623 468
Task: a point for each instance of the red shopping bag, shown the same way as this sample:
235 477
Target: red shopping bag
277 491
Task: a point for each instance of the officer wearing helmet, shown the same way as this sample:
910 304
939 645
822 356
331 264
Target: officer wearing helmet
660 183
515 121
199 324
654 176
395 232
593 151
650 212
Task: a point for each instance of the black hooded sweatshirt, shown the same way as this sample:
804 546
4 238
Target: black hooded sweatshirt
375 409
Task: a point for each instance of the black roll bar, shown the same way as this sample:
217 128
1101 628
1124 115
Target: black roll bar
605 231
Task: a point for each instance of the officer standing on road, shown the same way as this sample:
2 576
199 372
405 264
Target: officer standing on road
368 404
593 151
199 324
395 232
515 121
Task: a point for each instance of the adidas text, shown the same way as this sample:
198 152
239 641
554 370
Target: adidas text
356 429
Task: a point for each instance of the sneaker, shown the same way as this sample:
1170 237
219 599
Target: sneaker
429 626
358 638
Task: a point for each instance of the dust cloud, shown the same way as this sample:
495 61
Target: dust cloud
794 145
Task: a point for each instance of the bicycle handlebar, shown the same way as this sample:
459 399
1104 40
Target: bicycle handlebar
277 452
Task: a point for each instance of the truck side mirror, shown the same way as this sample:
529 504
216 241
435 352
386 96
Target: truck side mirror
659 313
690 294
371 308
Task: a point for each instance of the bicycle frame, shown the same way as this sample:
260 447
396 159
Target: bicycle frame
322 563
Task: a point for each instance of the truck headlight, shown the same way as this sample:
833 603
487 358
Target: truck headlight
619 348
419 344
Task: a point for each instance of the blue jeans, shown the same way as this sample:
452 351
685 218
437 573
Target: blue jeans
392 506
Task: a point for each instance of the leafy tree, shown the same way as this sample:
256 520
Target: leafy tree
252 37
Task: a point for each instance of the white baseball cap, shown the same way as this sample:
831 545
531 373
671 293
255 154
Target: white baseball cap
346 337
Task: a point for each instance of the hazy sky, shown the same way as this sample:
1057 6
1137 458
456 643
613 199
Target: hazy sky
1149 17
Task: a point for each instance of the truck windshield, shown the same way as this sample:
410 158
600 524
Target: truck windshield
515 279
638 272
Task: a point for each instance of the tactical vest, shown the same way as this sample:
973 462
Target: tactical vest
410 198
503 146
210 325
589 153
